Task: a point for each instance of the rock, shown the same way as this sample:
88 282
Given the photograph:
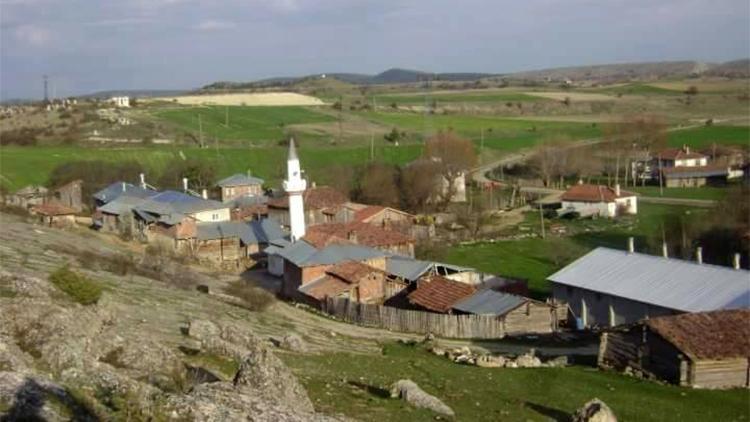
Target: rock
438 351
409 391
263 373
528 361
203 329
557 362
594 411
462 359
36 398
489 361
428 338
293 342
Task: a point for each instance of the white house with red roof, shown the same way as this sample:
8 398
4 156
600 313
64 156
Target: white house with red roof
598 200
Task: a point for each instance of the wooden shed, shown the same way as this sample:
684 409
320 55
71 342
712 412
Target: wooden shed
703 350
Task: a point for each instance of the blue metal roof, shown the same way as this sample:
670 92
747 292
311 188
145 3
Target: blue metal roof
489 302
117 189
177 202
253 232
412 269
240 179
302 254
667 282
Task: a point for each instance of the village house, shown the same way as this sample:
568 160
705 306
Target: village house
232 241
354 281
27 197
360 234
597 200
70 194
438 294
411 270
702 350
609 287
54 215
683 167
523 314
117 189
239 185
248 207
322 205
120 102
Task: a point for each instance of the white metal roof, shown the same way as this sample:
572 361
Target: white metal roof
671 283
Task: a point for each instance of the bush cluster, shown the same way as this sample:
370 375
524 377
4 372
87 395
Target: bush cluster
254 298
79 287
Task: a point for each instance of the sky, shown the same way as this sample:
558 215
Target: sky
91 45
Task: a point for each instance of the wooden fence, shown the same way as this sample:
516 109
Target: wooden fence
409 321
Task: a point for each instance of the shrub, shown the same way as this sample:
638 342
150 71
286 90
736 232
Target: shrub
79 287
254 298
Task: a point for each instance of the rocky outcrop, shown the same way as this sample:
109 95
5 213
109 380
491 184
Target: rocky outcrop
410 392
291 342
33 398
594 411
466 356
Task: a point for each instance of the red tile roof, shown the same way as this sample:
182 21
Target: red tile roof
707 335
439 294
321 235
351 271
314 198
367 212
679 154
53 209
593 193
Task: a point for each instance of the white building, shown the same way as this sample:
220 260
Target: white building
295 186
120 101
598 200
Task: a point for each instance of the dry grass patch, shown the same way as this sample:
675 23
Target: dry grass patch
240 99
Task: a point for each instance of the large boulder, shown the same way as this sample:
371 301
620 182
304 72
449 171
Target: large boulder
410 392
35 398
594 411
293 342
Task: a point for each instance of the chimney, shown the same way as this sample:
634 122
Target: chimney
249 173
617 189
580 181
686 148
631 245
699 255
124 186
352 236
736 261
313 185
185 184
143 180
664 252
204 193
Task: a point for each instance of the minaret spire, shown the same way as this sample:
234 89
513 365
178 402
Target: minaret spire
295 187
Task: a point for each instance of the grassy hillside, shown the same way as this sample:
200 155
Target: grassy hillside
499 133
457 97
357 386
252 124
21 166
535 259
703 137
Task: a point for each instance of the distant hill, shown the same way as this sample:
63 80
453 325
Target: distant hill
604 73
733 69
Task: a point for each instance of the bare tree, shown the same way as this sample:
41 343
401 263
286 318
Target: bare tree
550 160
379 185
454 156
418 183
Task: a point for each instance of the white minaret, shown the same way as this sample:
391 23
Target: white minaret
295 186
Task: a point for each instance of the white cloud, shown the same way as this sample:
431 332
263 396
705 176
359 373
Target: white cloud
214 25
33 35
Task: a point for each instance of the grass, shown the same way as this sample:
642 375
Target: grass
357 386
499 133
79 287
224 366
478 96
704 192
637 89
705 136
252 124
535 259
20 166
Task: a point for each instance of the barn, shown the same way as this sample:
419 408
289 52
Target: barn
609 287
702 350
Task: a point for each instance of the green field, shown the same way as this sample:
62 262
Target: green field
478 96
357 386
636 89
20 166
705 192
535 258
499 133
705 136
253 124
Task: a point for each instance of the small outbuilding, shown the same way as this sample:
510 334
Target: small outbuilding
521 314
54 215
598 200
702 350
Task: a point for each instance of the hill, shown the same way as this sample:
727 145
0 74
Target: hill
734 69
617 72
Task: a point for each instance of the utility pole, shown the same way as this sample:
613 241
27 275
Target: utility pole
481 146
372 146
226 116
661 182
46 89
541 218
200 130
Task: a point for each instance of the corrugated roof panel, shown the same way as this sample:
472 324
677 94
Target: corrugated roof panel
489 302
240 179
670 283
